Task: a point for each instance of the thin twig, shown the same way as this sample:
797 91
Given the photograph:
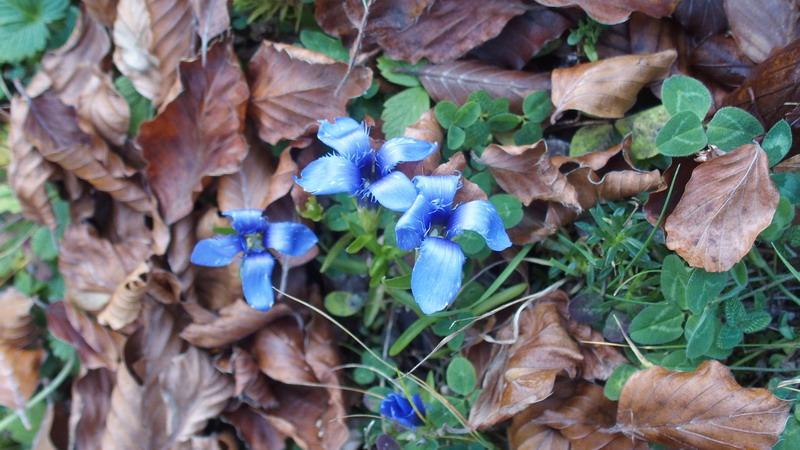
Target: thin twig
356 46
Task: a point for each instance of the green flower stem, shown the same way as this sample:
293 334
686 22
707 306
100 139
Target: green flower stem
512 266
410 333
500 298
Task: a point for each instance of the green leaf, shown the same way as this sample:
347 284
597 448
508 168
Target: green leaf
484 180
445 111
790 437
402 110
732 127
140 107
343 303
8 202
680 93
461 376
734 311
482 98
729 336
777 142
42 244
498 106
700 332
530 133
781 220
403 282
788 185
467 114
503 122
682 135
387 66
674 280
537 106
657 324
702 287
508 207
455 137
591 138
26 434
471 243
644 126
24 26
617 380
477 136
755 321
327 45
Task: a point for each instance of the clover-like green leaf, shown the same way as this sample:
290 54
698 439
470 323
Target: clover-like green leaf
680 93
445 111
537 106
777 142
732 127
682 135
657 324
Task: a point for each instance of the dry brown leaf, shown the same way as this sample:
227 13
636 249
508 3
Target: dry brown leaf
293 88
279 350
701 18
250 384
528 173
539 220
702 409
103 11
525 434
720 58
607 88
133 36
426 128
249 187
455 81
90 405
17 328
788 165
728 201
19 375
212 20
173 41
42 439
763 25
97 346
524 371
617 11
234 322
468 191
126 300
102 109
254 428
124 427
682 167
199 133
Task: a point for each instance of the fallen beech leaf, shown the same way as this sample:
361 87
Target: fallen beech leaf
91 402
125 303
607 88
28 171
293 88
254 428
528 173
701 18
702 409
103 11
788 165
333 18
720 58
617 11
234 322
455 81
251 385
541 219
19 375
102 109
17 329
524 372
97 346
280 352
525 433
682 167
212 20
199 133
728 201
762 25
426 128
124 427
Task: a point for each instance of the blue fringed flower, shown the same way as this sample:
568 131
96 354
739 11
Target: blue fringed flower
398 408
254 236
355 169
430 224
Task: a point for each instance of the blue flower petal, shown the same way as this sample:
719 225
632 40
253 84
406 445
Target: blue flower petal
217 251
398 408
438 188
347 137
419 404
414 223
402 149
257 280
289 238
394 191
481 217
331 175
436 277
247 221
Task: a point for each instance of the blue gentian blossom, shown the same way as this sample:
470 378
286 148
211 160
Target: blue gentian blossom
398 408
355 169
430 224
254 235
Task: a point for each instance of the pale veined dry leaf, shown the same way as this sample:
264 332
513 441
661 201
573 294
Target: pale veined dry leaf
617 11
17 329
212 20
19 375
90 404
233 322
728 201
279 350
132 36
607 88
249 187
102 109
254 428
282 180
760 26
173 40
455 81
199 133
293 88
528 173
788 165
124 427
538 348
702 409
97 346
525 434
28 171
126 300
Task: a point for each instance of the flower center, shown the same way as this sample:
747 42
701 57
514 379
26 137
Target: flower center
255 242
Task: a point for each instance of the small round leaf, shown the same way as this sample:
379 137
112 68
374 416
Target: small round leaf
682 135
461 376
732 127
680 93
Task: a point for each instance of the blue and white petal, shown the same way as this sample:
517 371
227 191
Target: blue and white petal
438 188
289 238
414 224
347 137
402 149
481 217
217 251
394 191
331 175
247 221
257 280
436 277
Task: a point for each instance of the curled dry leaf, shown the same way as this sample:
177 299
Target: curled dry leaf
455 81
133 36
293 88
257 184
19 375
728 201
97 346
212 20
539 220
234 322
124 428
255 428
103 11
250 384
538 348
17 329
607 88
617 11
762 25
525 433
199 133
279 350
91 402
125 303
102 109
702 409
426 128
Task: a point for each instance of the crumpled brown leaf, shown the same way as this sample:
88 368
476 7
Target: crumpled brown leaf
125 303
255 428
762 25
617 11
102 109
97 346
19 375
103 11
607 88
720 58
17 328
701 18
91 400
250 384
702 409
199 133
232 323
212 20
728 201
293 88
